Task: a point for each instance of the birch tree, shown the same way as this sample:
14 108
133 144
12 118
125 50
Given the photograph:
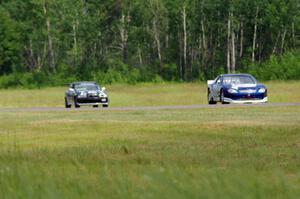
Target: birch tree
157 9
174 39
49 36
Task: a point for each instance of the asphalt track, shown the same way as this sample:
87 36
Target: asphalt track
145 108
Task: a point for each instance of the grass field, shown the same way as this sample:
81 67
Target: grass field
141 95
239 152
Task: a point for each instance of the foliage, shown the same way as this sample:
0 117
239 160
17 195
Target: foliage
9 44
132 41
278 68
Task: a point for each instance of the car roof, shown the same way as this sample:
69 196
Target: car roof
240 74
73 84
85 82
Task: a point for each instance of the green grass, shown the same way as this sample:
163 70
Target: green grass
141 95
239 152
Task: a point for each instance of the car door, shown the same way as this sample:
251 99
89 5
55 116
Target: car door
216 87
70 93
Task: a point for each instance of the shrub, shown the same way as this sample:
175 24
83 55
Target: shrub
285 67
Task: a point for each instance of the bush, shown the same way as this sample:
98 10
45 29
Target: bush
170 72
118 72
286 67
157 79
34 80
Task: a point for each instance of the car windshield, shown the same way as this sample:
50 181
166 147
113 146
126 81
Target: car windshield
238 80
86 87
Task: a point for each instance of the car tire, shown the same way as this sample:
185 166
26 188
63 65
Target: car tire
105 105
209 99
222 98
95 106
67 105
76 103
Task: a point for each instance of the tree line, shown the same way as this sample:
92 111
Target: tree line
144 39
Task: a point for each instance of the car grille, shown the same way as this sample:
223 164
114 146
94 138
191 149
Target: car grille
246 99
247 90
93 95
93 100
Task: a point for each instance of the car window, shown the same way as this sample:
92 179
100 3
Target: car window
86 87
238 80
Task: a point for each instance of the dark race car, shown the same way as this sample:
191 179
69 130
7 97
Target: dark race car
86 93
236 88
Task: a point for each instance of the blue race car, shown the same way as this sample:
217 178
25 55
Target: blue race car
236 88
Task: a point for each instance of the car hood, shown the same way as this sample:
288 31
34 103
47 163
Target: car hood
238 86
244 86
92 92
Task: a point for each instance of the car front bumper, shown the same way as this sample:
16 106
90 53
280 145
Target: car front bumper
92 104
90 101
246 101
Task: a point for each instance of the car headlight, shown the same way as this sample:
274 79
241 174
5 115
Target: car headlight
102 94
83 94
262 90
232 90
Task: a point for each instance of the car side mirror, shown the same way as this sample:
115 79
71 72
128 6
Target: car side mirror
103 88
210 82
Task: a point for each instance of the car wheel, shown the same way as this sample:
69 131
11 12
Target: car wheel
105 105
222 98
95 106
67 105
76 103
210 99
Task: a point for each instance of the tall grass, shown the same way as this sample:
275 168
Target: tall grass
205 153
